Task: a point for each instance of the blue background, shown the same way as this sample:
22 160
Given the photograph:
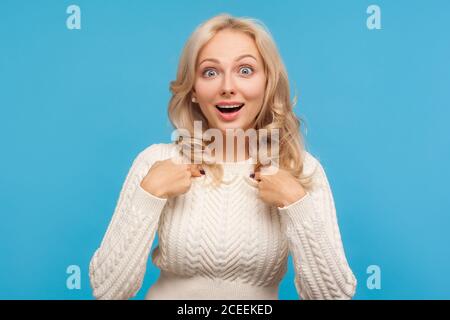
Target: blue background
78 105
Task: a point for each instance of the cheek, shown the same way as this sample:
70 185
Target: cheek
206 90
254 90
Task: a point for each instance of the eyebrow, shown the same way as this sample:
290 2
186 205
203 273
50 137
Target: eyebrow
237 59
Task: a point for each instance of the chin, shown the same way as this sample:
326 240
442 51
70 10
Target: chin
224 127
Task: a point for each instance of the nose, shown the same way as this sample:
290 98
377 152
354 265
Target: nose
227 86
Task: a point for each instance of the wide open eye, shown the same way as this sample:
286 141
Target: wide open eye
246 70
208 73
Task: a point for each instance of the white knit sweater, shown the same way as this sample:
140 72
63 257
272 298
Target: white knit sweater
221 243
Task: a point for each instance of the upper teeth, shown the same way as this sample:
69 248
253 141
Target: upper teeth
229 107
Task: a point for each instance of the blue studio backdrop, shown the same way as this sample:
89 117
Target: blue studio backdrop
78 104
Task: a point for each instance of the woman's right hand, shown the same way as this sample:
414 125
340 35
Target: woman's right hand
168 179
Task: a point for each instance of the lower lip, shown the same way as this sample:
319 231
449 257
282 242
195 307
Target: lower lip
229 116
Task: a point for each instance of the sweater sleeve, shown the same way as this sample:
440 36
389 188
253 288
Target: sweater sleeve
314 240
117 268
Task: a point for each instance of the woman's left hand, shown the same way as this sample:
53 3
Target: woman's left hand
280 189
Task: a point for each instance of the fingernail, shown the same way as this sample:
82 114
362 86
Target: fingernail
202 171
252 175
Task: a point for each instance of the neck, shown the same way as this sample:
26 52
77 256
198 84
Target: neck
234 149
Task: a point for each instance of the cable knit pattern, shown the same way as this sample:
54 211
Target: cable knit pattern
220 243
322 271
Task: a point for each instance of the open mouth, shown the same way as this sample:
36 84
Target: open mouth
229 109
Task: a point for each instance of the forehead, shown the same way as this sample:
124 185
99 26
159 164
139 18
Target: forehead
228 44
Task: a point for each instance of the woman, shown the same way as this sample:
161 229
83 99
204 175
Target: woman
225 228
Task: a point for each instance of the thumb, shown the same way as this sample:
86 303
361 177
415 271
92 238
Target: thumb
269 170
196 170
